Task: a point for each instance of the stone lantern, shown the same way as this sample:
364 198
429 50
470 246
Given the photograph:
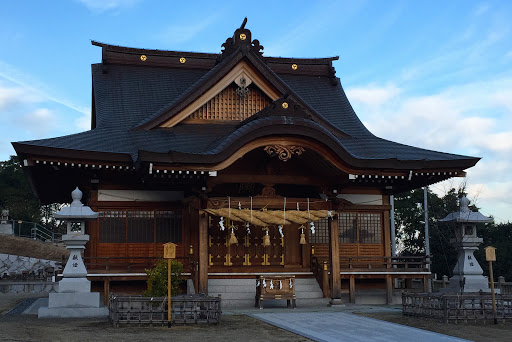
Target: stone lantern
74 297
467 274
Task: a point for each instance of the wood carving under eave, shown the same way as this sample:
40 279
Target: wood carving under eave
284 152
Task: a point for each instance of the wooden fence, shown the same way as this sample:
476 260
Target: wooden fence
185 309
456 308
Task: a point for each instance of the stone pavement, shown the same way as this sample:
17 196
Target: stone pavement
342 326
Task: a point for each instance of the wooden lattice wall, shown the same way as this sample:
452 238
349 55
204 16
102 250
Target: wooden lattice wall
229 106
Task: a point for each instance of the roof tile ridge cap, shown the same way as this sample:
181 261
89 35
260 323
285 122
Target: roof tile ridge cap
120 48
152 121
305 122
289 59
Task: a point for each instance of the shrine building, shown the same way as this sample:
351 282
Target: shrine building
253 165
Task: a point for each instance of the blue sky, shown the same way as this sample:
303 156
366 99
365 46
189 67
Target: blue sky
433 74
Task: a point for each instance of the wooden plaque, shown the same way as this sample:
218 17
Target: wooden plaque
169 250
490 253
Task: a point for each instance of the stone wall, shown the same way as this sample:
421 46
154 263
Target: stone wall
5 228
27 287
15 264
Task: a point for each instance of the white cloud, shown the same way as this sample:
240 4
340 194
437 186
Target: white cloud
37 123
106 5
373 95
83 123
37 90
29 110
471 119
11 96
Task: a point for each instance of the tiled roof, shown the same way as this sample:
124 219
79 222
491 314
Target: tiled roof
127 95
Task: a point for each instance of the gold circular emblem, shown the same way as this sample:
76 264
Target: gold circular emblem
294 66
183 60
285 105
243 36
143 58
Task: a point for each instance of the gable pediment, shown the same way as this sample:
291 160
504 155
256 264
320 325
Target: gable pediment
238 95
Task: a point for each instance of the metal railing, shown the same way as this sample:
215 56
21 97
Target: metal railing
33 231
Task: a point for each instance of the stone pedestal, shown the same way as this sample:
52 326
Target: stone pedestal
5 228
467 273
74 297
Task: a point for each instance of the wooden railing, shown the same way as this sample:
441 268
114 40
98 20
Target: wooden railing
417 263
376 263
129 263
321 273
185 309
504 286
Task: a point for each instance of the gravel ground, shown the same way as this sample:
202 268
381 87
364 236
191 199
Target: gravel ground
235 327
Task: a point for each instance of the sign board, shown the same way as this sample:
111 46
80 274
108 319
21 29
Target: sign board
490 253
169 250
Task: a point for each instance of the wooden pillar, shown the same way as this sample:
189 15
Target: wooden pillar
325 281
389 289
106 290
203 252
334 258
426 287
352 288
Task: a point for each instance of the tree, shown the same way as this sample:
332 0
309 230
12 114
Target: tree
499 236
16 194
48 219
410 232
157 279
410 223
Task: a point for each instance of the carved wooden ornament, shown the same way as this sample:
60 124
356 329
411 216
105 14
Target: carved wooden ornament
284 152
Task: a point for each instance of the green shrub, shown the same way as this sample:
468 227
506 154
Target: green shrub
157 279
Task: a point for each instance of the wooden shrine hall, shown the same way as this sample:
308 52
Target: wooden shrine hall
253 165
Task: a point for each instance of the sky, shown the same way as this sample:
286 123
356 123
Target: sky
432 74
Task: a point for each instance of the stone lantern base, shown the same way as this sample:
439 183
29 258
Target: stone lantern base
73 299
62 305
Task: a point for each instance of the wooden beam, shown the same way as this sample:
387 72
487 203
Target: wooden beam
334 258
277 202
203 252
267 179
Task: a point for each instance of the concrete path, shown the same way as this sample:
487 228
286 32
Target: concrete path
341 326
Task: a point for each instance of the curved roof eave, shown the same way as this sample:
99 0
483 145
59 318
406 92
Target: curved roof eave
280 128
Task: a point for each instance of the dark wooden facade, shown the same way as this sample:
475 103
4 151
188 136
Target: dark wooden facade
192 132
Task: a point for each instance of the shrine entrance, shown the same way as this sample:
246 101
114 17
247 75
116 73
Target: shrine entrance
250 251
